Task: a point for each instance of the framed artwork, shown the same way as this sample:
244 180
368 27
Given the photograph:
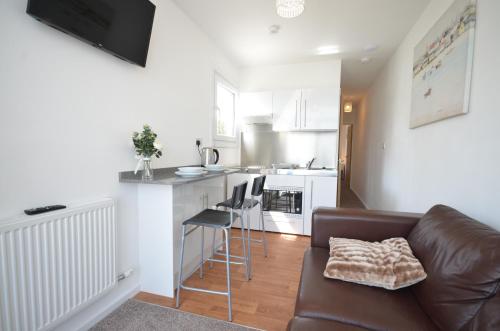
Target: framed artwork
442 66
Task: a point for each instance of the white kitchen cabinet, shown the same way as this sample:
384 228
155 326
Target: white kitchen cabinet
286 110
320 109
236 179
256 103
314 109
319 192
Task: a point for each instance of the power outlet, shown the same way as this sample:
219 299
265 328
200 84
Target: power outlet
198 142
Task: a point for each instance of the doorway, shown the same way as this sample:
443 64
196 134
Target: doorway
347 198
346 154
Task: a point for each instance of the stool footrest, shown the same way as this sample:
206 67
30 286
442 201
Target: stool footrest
224 261
233 256
196 289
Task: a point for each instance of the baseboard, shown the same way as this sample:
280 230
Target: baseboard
362 201
85 320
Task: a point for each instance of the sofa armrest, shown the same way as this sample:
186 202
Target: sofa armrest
368 225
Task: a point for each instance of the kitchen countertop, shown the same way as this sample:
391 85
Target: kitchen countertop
290 172
167 176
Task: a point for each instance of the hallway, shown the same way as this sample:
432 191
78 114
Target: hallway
349 199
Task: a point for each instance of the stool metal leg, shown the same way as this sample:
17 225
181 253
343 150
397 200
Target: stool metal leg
228 272
179 283
202 249
249 241
210 263
243 243
264 240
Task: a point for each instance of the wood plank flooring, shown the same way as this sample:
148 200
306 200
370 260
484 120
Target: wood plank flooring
266 302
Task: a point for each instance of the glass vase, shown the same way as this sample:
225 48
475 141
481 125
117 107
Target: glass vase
147 172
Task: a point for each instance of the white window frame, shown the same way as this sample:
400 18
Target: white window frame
220 80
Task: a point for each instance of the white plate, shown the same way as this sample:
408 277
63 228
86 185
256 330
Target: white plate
191 170
188 174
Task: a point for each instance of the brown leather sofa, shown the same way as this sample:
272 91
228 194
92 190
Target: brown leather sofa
460 255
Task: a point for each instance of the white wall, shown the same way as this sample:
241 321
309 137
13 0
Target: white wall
67 111
456 161
300 75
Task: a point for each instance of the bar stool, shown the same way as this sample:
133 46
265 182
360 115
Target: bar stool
217 220
256 198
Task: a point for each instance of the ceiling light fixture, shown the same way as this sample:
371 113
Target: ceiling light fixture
365 59
348 107
290 8
328 50
371 48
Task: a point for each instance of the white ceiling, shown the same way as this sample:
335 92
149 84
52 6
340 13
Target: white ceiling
241 29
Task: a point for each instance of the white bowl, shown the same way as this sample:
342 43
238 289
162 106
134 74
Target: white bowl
191 170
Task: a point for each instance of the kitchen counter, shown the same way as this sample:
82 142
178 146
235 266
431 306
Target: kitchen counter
290 172
167 176
163 204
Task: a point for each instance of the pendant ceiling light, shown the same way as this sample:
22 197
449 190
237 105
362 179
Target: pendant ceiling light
290 8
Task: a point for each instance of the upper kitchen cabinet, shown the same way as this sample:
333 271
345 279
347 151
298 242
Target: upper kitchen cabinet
320 109
315 109
286 110
256 104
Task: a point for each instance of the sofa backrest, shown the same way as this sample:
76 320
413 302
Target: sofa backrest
462 259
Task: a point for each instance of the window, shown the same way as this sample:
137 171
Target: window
225 110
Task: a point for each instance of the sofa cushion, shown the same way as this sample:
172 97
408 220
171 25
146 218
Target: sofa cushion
318 324
389 264
462 259
369 307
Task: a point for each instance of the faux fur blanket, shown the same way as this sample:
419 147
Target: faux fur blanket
389 264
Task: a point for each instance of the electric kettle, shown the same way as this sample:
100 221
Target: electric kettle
209 156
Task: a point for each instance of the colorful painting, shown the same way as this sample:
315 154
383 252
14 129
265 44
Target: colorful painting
442 68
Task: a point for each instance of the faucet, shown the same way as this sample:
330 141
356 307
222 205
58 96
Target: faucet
310 163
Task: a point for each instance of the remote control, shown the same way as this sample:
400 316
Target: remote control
39 210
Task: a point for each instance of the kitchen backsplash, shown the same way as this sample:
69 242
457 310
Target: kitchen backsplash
262 146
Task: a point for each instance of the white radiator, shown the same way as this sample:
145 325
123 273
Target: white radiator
52 265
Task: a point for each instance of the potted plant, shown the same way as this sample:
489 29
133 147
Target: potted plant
146 146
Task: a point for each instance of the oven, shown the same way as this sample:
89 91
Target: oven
284 201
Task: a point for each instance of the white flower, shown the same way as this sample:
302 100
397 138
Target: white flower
158 145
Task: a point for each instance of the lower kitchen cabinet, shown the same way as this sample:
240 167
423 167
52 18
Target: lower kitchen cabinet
319 192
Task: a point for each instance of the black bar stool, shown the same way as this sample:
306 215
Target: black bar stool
215 219
255 199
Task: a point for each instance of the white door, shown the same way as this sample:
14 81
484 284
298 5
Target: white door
286 110
320 109
319 192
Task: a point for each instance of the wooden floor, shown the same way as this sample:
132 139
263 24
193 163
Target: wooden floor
266 302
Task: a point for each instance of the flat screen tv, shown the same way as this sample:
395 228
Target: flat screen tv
120 27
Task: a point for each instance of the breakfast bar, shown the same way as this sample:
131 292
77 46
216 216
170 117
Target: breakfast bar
164 203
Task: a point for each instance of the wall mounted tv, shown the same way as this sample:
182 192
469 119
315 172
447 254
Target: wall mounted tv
120 27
